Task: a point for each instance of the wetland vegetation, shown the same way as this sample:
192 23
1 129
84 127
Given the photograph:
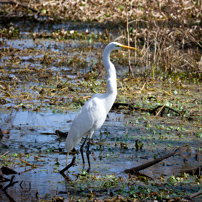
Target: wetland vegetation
51 64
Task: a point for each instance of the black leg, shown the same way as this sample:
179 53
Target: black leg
87 154
81 150
67 167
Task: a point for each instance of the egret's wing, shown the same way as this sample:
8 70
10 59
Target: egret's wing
91 113
91 117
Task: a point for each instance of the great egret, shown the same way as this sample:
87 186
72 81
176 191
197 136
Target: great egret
93 114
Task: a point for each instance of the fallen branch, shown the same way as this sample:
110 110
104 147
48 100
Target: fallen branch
4 154
18 4
29 164
153 111
135 170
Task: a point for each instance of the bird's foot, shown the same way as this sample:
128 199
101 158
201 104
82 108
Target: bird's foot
68 166
65 176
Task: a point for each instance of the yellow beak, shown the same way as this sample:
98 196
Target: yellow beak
128 47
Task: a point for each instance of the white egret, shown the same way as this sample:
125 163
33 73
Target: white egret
93 114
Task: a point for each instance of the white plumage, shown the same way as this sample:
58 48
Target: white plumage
93 114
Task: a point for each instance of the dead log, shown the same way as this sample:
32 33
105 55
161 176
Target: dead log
135 170
153 111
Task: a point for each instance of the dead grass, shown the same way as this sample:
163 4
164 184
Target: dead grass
167 33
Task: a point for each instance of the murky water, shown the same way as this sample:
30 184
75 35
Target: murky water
32 134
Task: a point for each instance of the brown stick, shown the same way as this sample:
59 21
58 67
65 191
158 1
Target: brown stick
29 164
18 4
161 108
136 169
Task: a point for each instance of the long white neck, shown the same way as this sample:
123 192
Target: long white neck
111 93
